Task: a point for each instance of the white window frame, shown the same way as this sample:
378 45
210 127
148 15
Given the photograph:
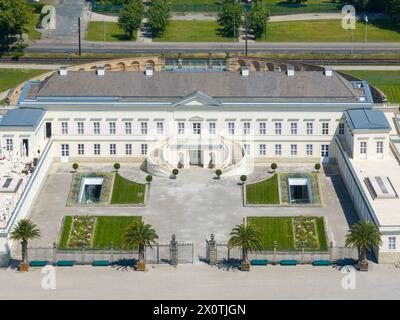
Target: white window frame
294 130
96 127
128 149
181 128
325 128
80 127
64 150
144 149
128 127
310 128
212 128
262 148
324 150
309 150
247 148
96 149
246 128
293 150
196 128
278 150
81 149
113 149
392 243
160 128
9 144
363 149
341 129
64 127
262 128
144 128
379 149
112 127
278 128
231 128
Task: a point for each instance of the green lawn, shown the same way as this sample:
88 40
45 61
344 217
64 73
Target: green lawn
329 31
30 29
9 78
108 230
192 31
106 31
127 192
387 81
264 192
111 230
280 229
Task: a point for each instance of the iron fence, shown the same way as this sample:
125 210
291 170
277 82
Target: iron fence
333 254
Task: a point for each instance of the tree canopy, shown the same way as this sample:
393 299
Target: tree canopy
130 17
230 18
13 18
159 14
257 19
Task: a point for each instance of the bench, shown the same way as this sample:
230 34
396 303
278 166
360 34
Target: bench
289 262
38 263
65 263
100 263
345 262
321 263
259 262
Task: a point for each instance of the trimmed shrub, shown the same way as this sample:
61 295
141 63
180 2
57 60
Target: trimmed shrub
317 166
75 166
175 172
274 166
243 178
117 166
218 172
149 178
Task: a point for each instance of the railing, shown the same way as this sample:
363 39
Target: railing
31 190
157 165
231 168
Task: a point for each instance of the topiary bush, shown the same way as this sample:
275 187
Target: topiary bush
149 178
274 166
75 166
117 166
243 178
175 172
317 166
218 172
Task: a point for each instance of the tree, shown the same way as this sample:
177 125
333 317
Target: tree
257 19
230 18
393 9
139 235
364 236
24 231
131 16
13 19
247 238
159 14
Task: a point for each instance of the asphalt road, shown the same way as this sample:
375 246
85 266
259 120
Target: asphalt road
188 47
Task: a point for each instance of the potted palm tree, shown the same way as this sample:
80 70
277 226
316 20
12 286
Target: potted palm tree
24 231
247 238
364 236
140 235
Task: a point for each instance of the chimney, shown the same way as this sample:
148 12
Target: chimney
290 71
328 72
149 71
245 71
63 71
101 71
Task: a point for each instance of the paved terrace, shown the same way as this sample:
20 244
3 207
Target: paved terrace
193 206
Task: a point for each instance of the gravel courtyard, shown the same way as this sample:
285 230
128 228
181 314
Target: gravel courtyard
193 206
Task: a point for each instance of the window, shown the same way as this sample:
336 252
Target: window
65 150
379 147
309 149
278 128
263 150
81 149
96 127
181 128
212 128
143 149
143 128
363 147
96 149
341 129
81 129
293 149
160 128
246 148
246 128
263 128
64 127
310 128
128 149
196 128
325 151
325 128
112 127
231 128
392 243
278 149
293 128
128 127
9 145
113 149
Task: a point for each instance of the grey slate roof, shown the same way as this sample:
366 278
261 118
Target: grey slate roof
28 118
305 84
367 119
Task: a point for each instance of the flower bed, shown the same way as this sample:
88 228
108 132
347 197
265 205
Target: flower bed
305 233
82 230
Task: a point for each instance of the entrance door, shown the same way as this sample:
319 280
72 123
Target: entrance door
195 157
48 129
25 147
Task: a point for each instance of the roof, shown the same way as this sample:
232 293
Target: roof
367 119
305 84
29 118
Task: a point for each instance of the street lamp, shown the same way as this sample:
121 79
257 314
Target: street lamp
366 30
247 6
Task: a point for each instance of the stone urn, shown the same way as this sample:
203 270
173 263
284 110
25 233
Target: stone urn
24 266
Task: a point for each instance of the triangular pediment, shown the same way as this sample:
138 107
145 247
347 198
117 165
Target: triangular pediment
197 98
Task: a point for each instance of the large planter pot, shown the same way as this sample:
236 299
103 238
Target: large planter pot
363 265
24 267
141 266
245 266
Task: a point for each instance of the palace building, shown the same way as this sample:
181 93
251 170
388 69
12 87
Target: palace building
229 117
